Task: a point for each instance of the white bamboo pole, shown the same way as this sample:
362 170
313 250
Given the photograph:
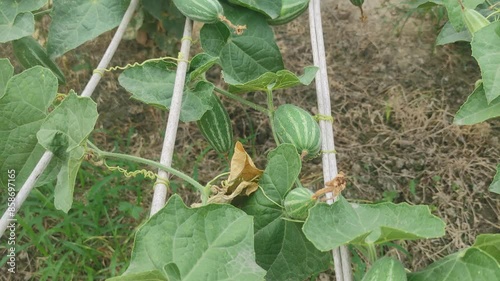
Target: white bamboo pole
341 256
160 189
87 92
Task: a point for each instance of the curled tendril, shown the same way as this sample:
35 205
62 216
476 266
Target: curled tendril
101 71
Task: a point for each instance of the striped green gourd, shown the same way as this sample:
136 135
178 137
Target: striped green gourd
298 202
207 11
290 10
215 126
29 53
296 126
357 3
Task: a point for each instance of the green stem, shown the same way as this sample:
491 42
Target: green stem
241 100
152 163
270 113
372 253
43 12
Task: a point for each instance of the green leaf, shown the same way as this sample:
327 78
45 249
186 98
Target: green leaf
490 244
76 21
487 53
213 242
16 21
196 101
68 125
471 264
63 132
280 80
270 8
476 109
6 72
29 53
200 64
213 37
495 184
386 269
153 275
280 243
331 226
455 11
242 57
448 35
63 192
246 58
24 106
153 83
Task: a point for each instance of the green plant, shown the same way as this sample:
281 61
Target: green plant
240 228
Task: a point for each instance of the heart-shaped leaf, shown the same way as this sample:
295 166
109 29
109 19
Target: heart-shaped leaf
214 242
280 243
331 226
471 264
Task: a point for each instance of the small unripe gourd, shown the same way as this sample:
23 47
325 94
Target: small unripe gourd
298 202
207 11
215 126
290 10
296 126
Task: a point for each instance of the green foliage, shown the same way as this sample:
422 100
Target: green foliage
495 185
280 243
477 109
213 242
490 244
75 22
330 226
282 79
27 98
455 11
386 269
153 83
30 53
242 57
17 21
467 265
485 50
58 134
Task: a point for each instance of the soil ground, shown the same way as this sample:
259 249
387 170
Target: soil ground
394 95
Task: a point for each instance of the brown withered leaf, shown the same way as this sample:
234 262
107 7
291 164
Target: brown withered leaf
335 186
242 170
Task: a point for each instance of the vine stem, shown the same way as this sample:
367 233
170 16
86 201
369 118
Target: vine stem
175 172
241 100
372 253
87 92
160 190
270 113
341 257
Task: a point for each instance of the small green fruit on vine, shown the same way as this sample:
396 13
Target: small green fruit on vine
298 202
206 11
296 126
290 10
215 126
